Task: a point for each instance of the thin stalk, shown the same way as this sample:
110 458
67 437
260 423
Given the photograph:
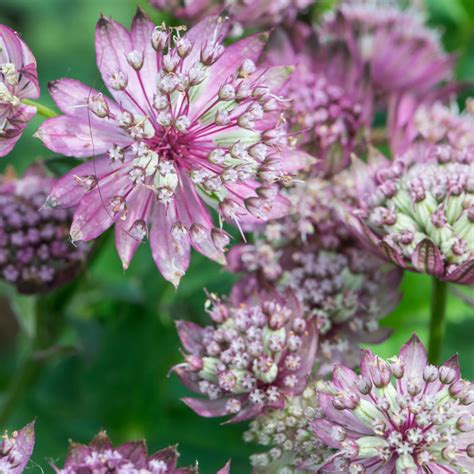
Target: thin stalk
41 109
439 294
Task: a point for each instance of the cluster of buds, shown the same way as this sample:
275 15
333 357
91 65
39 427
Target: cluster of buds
399 415
18 81
245 13
251 359
347 288
36 254
130 458
288 435
418 210
197 124
16 449
401 52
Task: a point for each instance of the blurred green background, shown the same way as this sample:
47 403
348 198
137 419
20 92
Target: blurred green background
121 325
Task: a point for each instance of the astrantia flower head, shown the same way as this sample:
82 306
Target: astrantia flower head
246 13
36 254
401 53
16 449
418 210
288 435
18 80
313 254
130 458
250 359
193 123
400 415
331 101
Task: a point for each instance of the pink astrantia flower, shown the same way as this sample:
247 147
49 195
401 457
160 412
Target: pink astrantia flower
251 359
36 254
331 101
313 253
400 415
193 123
247 13
18 80
418 210
16 450
400 52
131 458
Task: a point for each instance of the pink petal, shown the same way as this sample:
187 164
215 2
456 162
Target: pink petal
225 469
25 443
413 355
136 452
207 408
249 412
392 254
171 255
464 273
190 335
323 429
428 259
74 136
344 378
19 121
168 455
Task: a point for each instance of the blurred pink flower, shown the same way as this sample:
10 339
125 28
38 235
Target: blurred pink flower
254 356
18 80
16 450
399 415
193 124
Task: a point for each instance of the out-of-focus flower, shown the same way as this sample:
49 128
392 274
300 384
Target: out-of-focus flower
251 359
246 13
36 254
401 53
418 210
16 449
331 101
194 123
400 415
313 254
130 458
288 435
18 80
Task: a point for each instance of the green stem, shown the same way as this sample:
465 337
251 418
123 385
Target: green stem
41 109
439 295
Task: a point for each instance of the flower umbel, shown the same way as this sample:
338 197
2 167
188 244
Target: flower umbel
18 80
16 449
193 123
400 415
36 254
130 458
252 358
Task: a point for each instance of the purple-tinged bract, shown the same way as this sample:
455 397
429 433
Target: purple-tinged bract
193 124
36 254
400 415
16 450
100 457
252 357
418 210
18 80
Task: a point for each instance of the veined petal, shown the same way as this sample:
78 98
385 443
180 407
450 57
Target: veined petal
413 356
190 335
207 408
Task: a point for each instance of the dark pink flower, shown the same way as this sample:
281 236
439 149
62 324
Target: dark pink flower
100 457
16 449
250 359
418 210
36 254
399 415
331 99
399 50
246 13
18 80
193 124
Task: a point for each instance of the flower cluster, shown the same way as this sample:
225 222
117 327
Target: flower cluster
418 210
18 81
246 13
399 415
333 278
16 449
251 359
193 123
36 254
